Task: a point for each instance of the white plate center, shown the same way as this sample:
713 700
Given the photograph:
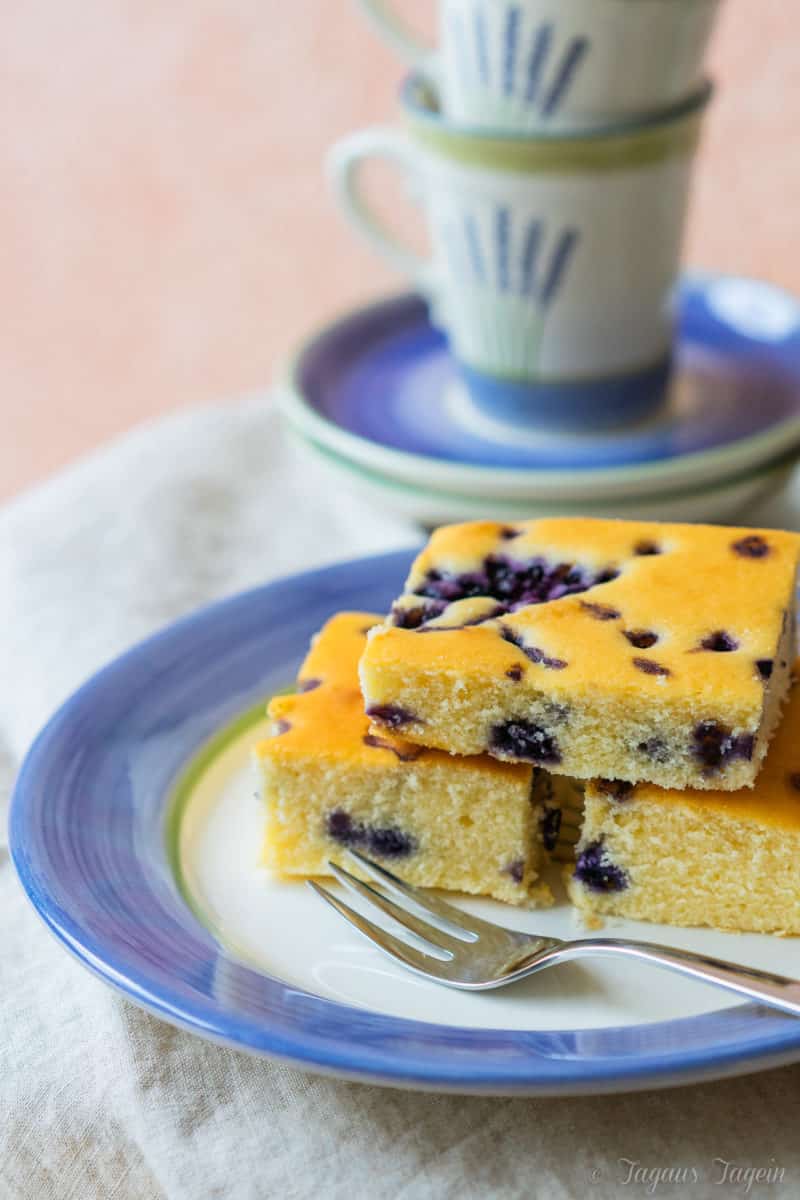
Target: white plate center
283 929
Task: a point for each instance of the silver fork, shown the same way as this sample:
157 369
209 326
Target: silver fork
462 951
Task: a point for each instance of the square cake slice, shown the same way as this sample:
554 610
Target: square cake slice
469 825
635 651
726 859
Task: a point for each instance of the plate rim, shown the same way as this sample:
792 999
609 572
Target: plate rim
401 1052
774 466
500 481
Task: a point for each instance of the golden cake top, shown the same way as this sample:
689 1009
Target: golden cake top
691 611
775 799
326 714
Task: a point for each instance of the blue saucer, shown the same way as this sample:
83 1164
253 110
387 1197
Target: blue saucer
380 383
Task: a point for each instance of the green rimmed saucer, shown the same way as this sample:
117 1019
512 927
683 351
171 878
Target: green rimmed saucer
721 501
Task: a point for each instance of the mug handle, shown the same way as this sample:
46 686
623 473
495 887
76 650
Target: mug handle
397 34
344 163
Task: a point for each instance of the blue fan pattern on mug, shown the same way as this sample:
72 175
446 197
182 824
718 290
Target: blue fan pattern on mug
527 262
520 64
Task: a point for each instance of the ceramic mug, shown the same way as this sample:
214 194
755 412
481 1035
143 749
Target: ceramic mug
532 64
552 258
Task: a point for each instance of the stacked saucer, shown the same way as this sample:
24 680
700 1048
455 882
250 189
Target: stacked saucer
378 397
551 358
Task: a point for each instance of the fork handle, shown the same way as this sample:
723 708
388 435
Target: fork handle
774 990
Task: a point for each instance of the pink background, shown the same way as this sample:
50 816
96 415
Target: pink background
166 233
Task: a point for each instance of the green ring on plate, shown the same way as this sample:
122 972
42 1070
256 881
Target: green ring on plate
187 781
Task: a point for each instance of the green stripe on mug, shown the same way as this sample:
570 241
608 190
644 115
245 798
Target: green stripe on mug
620 147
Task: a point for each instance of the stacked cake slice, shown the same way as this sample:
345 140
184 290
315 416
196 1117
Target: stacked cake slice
648 662
593 648
470 824
727 859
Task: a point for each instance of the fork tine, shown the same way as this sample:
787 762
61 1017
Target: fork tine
426 903
422 929
409 956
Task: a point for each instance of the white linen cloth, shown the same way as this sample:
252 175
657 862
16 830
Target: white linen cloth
99 1100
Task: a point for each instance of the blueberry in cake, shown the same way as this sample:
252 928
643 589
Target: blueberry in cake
629 650
329 782
561 801
730 860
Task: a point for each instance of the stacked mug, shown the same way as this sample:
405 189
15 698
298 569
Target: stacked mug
550 144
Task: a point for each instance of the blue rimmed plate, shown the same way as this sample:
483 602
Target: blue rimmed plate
378 387
136 835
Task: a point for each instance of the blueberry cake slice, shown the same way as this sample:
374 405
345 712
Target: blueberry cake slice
470 825
634 651
729 860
